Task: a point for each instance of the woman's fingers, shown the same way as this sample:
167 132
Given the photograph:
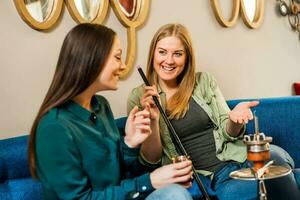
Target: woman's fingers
250 115
180 173
253 103
183 172
142 114
183 179
144 128
132 113
181 165
242 112
149 100
149 92
142 121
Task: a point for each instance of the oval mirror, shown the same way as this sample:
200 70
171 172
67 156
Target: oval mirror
250 7
252 12
132 14
219 14
39 14
88 11
39 9
130 8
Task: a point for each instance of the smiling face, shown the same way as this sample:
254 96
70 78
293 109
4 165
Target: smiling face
109 76
169 59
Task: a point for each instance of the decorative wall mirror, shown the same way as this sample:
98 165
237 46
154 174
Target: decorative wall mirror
252 12
132 14
219 16
291 9
39 14
88 11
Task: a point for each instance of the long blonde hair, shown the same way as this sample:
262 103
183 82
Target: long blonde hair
178 104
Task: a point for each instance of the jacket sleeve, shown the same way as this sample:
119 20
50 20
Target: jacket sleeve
59 166
220 107
134 99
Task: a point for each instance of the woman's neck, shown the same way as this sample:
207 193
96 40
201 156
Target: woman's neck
170 88
84 99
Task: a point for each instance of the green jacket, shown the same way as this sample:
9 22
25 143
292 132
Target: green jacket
81 155
208 95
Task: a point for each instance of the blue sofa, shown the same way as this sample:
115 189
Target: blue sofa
278 117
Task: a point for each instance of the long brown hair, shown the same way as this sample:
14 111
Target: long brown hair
178 104
82 57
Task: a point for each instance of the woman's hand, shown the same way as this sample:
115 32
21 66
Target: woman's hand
147 99
180 173
239 116
242 113
137 127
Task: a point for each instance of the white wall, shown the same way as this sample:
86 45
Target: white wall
247 63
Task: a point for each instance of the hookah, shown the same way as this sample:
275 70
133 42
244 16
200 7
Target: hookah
258 152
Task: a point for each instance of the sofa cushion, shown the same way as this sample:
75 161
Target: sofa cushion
4 192
26 189
121 122
3 174
14 162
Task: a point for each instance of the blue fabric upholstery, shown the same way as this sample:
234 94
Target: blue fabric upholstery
15 180
278 117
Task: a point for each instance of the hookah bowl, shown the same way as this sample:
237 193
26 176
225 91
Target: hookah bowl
258 149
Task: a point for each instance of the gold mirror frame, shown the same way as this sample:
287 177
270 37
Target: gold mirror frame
258 16
238 5
234 13
101 14
49 21
131 26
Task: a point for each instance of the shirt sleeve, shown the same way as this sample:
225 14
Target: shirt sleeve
59 168
131 158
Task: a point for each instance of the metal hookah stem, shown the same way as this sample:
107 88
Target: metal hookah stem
262 190
256 127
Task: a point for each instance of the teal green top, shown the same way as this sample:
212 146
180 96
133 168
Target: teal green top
207 94
81 155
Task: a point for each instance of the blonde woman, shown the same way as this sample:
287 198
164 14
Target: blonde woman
210 132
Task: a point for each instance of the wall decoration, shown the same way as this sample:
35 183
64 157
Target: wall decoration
43 14
291 9
128 7
246 8
39 14
88 11
132 14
